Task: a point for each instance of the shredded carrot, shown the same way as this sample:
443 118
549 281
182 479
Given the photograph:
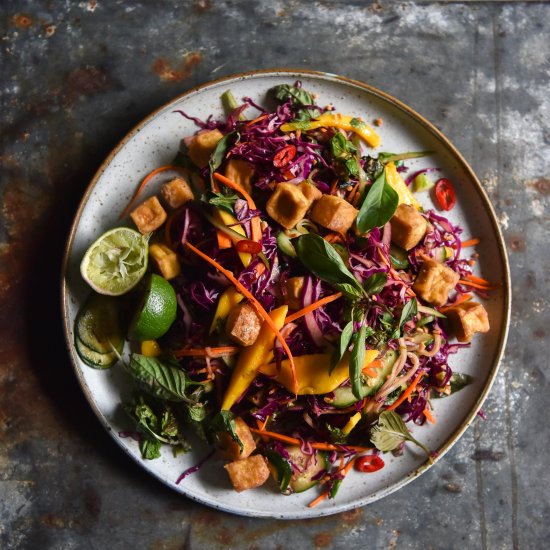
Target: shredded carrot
207 352
469 242
255 226
370 369
333 188
319 499
257 119
409 291
406 393
333 237
429 416
312 307
145 181
465 282
345 471
478 280
352 193
259 308
462 299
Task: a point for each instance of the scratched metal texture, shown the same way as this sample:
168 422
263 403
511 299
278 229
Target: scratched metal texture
76 76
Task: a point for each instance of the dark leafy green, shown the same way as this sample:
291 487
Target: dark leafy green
219 153
298 96
282 468
357 360
220 200
343 344
375 283
457 382
408 312
379 205
224 422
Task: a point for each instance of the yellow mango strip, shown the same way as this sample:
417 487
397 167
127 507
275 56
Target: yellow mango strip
351 423
346 123
230 221
252 357
393 177
312 372
228 300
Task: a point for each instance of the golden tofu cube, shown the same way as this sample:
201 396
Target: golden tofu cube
241 172
434 282
176 192
202 146
408 227
243 324
166 260
149 215
334 213
466 319
310 192
294 288
287 205
248 473
230 449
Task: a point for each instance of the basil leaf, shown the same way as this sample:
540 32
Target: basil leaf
457 382
218 155
224 421
162 381
409 311
379 205
343 345
225 202
298 96
321 259
356 123
149 448
357 360
352 167
375 283
336 435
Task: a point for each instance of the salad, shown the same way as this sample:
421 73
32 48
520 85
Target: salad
284 296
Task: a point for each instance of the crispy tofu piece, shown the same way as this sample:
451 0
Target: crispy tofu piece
294 287
333 213
166 260
240 172
466 319
149 215
310 192
243 324
287 205
408 227
203 145
248 473
176 192
434 282
230 449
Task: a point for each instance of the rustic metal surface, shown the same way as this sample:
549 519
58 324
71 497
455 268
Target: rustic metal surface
76 76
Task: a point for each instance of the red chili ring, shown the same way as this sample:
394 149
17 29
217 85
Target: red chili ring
250 247
370 463
445 194
284 156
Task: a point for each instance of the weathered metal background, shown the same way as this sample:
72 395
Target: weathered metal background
76 76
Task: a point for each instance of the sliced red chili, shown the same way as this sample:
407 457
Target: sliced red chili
284 156
368 464
250 247
445 194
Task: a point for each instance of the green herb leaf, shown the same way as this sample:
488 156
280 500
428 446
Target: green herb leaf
384 158
219 153
379 205
356 123
336 435
220 200
375 283
321 259
457 382
282 467
343 345
408 312
357 360
224 421
391 431
299 96
149 448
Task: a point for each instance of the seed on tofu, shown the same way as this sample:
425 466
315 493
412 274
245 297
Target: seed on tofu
149 215
202 146
248 473
243 324
434 282
407 226
240 172
176 192
294 288
333 213
466 319
287 205
230 449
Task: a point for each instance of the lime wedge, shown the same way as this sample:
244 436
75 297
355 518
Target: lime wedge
157 310
116 261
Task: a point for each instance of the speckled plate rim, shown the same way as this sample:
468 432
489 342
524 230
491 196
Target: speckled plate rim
503 332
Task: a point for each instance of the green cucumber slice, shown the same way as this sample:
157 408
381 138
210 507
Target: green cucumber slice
309 467
93 358
284 245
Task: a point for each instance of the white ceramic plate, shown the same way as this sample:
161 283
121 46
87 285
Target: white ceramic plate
154 142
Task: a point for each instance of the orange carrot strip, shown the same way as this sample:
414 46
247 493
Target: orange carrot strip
255 226
207 352
469 242
478 280
332 237
312 307
429 416
319 499
463 298
145 181
259 308
345 471
406 393
351 194
257 119
465 282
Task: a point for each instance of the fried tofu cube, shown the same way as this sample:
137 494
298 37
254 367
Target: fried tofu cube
248 473
149 215
287 205
166 260
334 213
310 192
176 193
408 227
241 172
202 146
230 449
243 324
294 288
434 282
466 319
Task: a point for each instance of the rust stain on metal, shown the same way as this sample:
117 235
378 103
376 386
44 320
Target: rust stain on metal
542 185
51 520
352 516
85 81
49 30
202 6
322 540
162 68
22 21
517 243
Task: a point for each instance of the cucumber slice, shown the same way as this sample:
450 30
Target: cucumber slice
284 245
308 467
422 183
97 324
93 358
